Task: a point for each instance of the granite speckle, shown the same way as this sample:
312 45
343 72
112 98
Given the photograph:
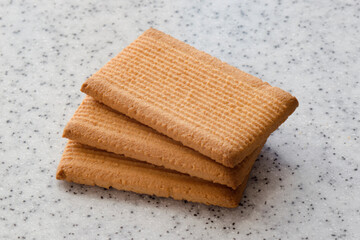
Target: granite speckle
305 184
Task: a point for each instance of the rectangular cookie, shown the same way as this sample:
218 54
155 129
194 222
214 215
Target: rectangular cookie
86 165
191 97
97 125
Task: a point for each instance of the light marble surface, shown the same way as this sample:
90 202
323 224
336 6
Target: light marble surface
305 185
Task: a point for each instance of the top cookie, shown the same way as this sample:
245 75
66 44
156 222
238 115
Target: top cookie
190 96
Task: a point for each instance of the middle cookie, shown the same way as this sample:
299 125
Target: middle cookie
99 126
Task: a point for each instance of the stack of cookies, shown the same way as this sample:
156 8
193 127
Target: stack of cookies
165 119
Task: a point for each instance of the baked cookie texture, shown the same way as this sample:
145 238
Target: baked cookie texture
97 125
86 165
191 97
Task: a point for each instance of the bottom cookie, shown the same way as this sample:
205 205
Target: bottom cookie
90 166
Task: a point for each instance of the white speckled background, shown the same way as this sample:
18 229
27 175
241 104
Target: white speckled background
305 185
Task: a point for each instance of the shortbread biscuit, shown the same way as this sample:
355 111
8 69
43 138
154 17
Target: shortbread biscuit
191 97
97 125
86 165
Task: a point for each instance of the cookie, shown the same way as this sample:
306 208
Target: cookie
86 165
97 125
191 97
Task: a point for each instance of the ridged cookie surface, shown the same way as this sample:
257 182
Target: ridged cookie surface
97 125
191 97
86 165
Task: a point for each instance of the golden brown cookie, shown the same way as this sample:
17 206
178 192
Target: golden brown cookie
191 97
97 125
86 165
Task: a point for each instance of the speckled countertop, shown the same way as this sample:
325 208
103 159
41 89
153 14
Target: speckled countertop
305 185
